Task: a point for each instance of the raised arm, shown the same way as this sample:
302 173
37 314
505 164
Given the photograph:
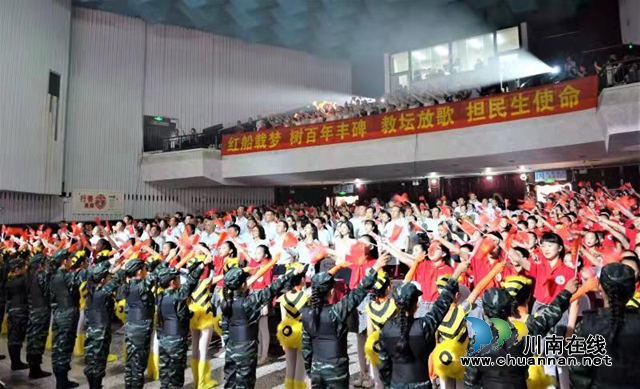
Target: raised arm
433 319
543 321
351 301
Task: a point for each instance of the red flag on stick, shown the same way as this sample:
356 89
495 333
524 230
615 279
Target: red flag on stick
221 239
289 241
467 227
356 255
318 254
400 199
483 248
97 221
395 234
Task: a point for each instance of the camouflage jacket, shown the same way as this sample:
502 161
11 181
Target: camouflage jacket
180 298
429 324
339 312
255 301
72 279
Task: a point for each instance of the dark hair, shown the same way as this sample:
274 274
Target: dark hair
374 226
172 245
267 253
317 301
349 227
523 251
508 227
286 225
226 305
233 251
467 246
496 234
314 231
235 227
403 351
554 238
520 299
261 233
373 252
385 212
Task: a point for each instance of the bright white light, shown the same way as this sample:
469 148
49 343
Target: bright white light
382 100
522 168
555 70
500 39
434 181
442 50
357 181
419 55
489 178
433 174
487 170
475 43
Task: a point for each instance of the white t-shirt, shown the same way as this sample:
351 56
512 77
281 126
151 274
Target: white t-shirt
324 236
285 257
269 230
252 245
343 247
210 239
358 226
401 242
242 223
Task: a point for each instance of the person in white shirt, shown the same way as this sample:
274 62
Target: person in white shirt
258 238
120 236
357 220
344 241
281 232
241 220
209 235
269 225
402 242
307 246
96 235
247 235
324 236
173 232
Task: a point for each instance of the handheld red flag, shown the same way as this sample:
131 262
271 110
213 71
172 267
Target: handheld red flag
467 227
395 233
483 248
527 205
356 254
416 227
400 199
318 253
289 241
221 239
210 212
219 224
611 255
446 212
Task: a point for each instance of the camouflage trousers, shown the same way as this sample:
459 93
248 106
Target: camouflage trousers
37 332
18 320
330 375
64 328
137 337
241 361
173 360
96 346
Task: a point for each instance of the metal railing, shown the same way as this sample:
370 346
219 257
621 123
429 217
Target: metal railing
619 73
192 141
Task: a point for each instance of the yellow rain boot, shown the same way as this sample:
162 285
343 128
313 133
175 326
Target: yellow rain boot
124 351
204 376
78 349
194 372
112 358
299 385
5 324
49 343
289 383
153 369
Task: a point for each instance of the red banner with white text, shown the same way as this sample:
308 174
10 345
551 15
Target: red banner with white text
554 99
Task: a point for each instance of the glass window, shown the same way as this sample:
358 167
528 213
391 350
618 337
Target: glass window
432 61
472 53
508 39
399 80
400 62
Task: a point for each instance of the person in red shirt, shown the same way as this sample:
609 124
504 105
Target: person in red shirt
551 275
261 258
480 266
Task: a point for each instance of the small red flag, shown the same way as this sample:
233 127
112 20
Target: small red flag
289 241
250 209
485 246
356 255
416 227
433 247
395 234
75 230
467 227
131 230
210 212
400 199
318 254
108 226
611 255
227 218
446 212
97 221
221 239
521 237
528 205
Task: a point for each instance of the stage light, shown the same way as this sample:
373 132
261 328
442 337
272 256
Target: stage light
382 100
489 178
434 181
555 70
522 168
523 177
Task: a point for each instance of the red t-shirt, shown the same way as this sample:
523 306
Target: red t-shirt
359 271
265 280
549 281
427 275
480 267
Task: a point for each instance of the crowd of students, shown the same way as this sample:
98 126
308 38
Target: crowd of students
400 275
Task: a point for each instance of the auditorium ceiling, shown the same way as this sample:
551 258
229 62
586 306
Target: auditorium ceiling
342 28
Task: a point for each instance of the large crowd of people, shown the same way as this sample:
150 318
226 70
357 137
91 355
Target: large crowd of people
402 275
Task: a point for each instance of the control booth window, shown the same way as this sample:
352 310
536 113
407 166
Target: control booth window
472 53
399 70
429 62
508 39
